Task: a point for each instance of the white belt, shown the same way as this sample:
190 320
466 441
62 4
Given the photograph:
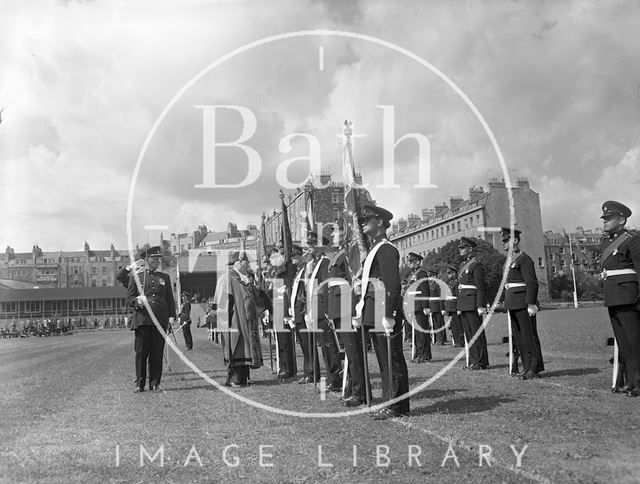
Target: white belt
467 286
337 283
617 272
511 285
449 298
413 293
433 298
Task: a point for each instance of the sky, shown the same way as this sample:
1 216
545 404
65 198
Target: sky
111 104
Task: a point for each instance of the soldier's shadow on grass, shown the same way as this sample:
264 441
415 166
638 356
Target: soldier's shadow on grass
570 372
463 405
436 393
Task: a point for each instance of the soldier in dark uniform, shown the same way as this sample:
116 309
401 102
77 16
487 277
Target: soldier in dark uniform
436 305
298 307
327 338
185 319
149 342
420 296
620 262
339 290
472 300
286 272
451 306
382 263
521 300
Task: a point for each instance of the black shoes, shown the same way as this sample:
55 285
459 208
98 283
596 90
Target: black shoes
529 375
353 402
633 392
138 390
156 389
623 389
306 379
478 367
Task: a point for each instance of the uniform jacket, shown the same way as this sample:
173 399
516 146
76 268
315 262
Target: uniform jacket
471 274
300 298
123 277
157 288
621 290
385 267
339 269
321 289
422 291
185 313
451 303
435 304
521 270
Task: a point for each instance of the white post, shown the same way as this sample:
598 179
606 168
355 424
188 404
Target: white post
573 274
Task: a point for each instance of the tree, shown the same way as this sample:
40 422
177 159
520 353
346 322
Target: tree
492 261
200 234
588 286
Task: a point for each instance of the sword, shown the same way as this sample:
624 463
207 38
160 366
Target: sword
510 343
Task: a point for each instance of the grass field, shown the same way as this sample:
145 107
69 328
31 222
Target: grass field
68 414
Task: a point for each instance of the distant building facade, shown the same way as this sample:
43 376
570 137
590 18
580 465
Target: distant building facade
86 268
585 247
324 202
480 215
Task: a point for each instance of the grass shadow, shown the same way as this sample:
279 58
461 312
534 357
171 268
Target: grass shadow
463 405
436 393
571 372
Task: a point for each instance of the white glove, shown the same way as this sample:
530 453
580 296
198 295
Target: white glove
388 324
482 311
307 319
443 312
171 320
291 323
141 299
426 311
356 323
458 313
532 309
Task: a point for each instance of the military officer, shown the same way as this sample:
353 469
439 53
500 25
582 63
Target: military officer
521 300
339 293
185 319
472 300
436 304
286 272
620 262
298 309
382 264
158 294
451 306
327 339
421 307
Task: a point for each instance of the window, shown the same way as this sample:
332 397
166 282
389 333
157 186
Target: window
94 270
553 269
540 262
552 257
563 264
562 250
447 230
94 283
104 269
459 227
105 282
